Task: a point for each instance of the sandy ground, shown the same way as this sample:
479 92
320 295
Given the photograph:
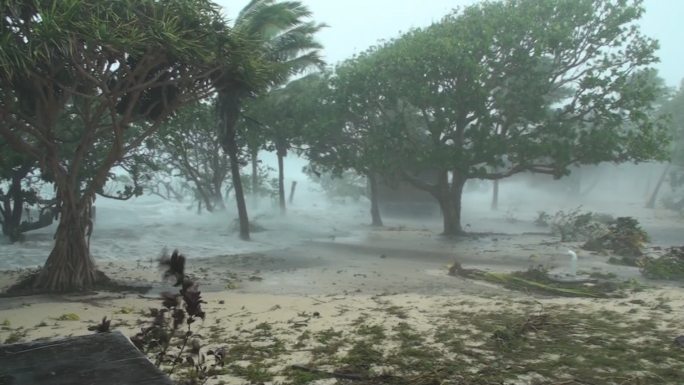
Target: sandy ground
390 276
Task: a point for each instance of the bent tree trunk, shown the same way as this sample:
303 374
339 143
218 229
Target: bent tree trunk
69 265
232 150
281 180
375 208
228 105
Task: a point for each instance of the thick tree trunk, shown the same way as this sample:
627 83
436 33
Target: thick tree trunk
281 181
69 266
232 150
375 208
451 215
449 197
654 196
495 196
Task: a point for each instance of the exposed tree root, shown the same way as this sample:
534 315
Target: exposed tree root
27 286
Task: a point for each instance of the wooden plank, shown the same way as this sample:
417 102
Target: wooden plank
96 359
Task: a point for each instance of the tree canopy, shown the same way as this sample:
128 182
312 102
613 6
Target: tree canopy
506 87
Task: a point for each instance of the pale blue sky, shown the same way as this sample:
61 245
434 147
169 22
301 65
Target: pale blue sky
358 24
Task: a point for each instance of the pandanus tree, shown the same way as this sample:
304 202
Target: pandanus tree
105 66
519 86
282 37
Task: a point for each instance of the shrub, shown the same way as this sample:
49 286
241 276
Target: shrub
669 266
624 237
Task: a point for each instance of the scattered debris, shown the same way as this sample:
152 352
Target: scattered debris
624 237
575 225
538 280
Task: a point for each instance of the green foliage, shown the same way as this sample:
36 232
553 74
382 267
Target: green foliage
362 356
348 184
83 83
187 146
669 266
623 237
22 206
498 89
274 121
68 317
537 280
281 42
254 373
577 225
15 336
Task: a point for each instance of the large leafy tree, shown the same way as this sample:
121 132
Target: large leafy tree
350 125
282 36
103 65
518 86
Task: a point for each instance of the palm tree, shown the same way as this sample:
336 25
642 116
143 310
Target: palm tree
283 40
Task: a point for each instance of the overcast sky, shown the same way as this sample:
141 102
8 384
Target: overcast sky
358 24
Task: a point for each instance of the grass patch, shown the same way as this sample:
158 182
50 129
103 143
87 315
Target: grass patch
362 356
68 317
254 373
524 344
15 336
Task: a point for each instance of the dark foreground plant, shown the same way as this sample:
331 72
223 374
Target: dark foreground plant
169 340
